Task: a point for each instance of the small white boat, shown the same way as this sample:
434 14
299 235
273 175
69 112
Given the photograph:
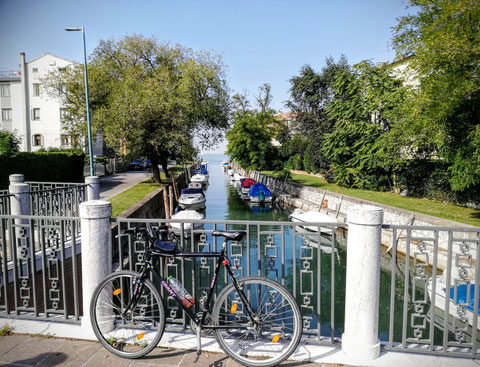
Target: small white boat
225 165
238 183
230 172
259 193
465 295
199 178
245 186
194 185
192 198
311 216
187 215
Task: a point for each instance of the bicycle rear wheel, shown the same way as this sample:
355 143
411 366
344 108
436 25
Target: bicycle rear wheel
275 332
130 334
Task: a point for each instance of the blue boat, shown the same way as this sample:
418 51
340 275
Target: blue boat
259 193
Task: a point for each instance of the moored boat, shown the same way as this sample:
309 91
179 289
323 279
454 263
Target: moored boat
311 216
246 184
187 226
192 199
199 178
259 193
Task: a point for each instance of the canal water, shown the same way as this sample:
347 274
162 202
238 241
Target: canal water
224 203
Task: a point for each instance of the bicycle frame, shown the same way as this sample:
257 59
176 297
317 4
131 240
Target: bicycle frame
222 260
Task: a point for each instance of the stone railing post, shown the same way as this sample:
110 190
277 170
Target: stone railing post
93 189
362 294
96 252
20 201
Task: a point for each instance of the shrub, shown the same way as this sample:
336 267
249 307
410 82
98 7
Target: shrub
43 166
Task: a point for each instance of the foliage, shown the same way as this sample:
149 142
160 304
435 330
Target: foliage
250 139
43 166
365 105
9 143
311 93
5 330
440 47
148 98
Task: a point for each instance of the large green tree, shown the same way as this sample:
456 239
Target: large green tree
440 46
149 98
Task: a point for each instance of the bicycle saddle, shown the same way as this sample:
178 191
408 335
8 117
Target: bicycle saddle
230 235
164 247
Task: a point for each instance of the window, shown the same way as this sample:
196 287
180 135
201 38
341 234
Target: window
5 90
64 140
64 114
35 70
6 114
62 90
35 113
36 90
37 140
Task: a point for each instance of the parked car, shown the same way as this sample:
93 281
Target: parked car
136 164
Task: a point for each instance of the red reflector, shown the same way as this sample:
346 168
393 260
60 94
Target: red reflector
225 262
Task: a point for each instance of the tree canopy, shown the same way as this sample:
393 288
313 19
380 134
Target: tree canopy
149 98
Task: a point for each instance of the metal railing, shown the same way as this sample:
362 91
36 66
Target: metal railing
5 203
39 268
434 290
50 199
305 261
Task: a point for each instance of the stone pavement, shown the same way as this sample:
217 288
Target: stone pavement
25 350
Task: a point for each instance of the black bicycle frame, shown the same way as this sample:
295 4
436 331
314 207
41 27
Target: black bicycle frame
222 259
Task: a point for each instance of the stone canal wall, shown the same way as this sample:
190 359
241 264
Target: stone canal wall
337 205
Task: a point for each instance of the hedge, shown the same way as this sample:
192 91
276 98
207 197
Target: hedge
43 167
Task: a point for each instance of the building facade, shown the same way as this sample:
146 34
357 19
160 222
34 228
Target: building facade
29 112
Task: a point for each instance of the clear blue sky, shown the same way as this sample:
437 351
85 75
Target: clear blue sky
262 41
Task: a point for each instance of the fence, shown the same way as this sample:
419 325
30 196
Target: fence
435 311
39 269
302 260
58 201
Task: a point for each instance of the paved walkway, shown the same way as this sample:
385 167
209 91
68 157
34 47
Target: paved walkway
115 184
24 350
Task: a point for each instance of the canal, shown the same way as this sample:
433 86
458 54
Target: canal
324 312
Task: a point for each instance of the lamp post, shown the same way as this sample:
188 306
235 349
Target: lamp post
89 125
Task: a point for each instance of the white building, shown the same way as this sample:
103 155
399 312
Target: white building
30 112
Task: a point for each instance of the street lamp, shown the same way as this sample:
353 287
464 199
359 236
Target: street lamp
73 29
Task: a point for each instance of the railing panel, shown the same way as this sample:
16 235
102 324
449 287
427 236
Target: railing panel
39 271
5 204
305 261
433 304
58 201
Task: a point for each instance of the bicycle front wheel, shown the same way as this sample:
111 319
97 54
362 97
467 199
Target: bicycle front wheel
127 315
265 336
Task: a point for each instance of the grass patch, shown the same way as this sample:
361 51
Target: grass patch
133 195
434 208
5 330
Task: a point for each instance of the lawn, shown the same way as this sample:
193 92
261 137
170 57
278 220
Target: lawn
435 208
133 195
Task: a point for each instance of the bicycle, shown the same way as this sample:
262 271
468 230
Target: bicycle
256 321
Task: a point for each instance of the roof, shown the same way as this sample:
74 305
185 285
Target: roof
49 54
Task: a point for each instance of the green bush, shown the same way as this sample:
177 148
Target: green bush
306 163
43 166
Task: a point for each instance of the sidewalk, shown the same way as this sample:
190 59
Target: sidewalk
115 184
24 350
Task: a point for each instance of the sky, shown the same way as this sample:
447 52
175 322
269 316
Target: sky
262 41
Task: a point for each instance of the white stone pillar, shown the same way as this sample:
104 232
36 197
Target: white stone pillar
362 294
20 201
96 252
93 189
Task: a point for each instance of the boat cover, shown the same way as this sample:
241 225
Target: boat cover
187 214
202 171
248 182
462 291
191 191
255 190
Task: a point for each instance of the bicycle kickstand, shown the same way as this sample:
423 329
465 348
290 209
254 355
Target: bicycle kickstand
199 343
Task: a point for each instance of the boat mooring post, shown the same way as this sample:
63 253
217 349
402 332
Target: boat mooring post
362 293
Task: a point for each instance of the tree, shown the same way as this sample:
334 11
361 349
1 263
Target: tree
9 143
152 99
311 93
365 105
440 45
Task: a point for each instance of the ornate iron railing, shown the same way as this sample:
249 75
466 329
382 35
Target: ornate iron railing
39 270
304 261
5 203
434 294
57 201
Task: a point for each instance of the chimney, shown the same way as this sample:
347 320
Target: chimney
26 105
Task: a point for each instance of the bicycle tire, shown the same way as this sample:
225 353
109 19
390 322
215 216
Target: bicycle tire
274 339
133 335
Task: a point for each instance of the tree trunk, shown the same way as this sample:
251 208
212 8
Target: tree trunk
155 170
164 163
